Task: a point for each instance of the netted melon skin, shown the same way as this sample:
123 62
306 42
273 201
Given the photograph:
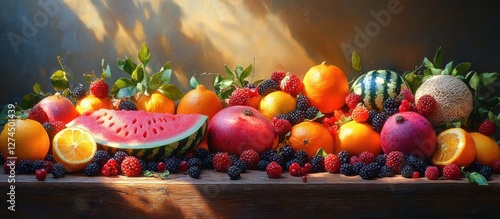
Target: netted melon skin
453 97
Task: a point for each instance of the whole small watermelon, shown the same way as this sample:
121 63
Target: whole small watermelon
378 85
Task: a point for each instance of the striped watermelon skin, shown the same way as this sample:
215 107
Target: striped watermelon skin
378 85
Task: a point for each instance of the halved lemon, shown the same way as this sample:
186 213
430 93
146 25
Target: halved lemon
456 146
74 148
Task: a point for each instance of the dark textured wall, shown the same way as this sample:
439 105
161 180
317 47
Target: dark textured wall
201 36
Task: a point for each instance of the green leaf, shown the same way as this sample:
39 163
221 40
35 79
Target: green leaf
477 178
491 116
436 71
438 57
126 92
89 77
474 82
461 68
171 91
166 66
37 88
491 103
160 78
30 100
245 73
144 55
321 152
127 65
123 88
106 71
488 78
228 72
427 63
141 87
138 73
356 61
225 94
193 82
448 69
224 83
59 80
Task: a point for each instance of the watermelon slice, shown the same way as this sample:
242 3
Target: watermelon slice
150 136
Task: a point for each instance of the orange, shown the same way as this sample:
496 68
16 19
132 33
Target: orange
326 86
27 139
200 101
487 150
255 101
92 103
355 138
277 102
74 148
156 102
310 136
456 146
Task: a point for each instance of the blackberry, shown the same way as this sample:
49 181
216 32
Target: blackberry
380 159
234 172
194 172
486 171
49 128
283 116
127 105
287 152
119 156
262 165
296 116
266 87
172 164
144 165
391 106
207 162
240 164
278 158
372 114
344 157
378 121
317 163
101 157
50 157
474 167
24 167
387 171
267 155
58 170
302 157
194 162
407 171
417 163
311 112
358 166
234 157
347 169
36 164
200 153
152 166
302 103
250 86
369 171
79 92
92 169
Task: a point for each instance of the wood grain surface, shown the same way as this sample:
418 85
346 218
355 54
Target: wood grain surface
253 196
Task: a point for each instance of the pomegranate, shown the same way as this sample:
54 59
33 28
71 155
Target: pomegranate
410 133
58 108
235 129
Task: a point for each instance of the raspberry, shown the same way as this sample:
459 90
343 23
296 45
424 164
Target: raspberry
240 164
406 94
311 113
47 165
344 157
347 169
262 165
391 106
194 172
396 160
172 164
24 167
333 130
426 105
58 170
405 106
352 100
49 128
277 76
183 166
200 153
360 114
378 121
291 84
101 157
296 116
251 158
99 88
317 164
127 105
387 171
273 170
79 92
432 173
110 168
302 103
367 157
369 171
354 160
58 126
496 166
487 127
162 166
92 169
287 152
294 169
194 162
222 161
234 172
451 171
266 87
282 127
41 174
239 97
37 114
131 166
36 164
407 171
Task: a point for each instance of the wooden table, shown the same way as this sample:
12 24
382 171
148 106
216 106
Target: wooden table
253 196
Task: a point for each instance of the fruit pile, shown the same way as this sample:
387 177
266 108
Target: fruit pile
430 122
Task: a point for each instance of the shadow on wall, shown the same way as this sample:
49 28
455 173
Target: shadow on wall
201 36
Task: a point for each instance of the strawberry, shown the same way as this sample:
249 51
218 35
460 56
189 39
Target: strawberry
426 105
131 166
282 127
487 127
332 163
251 158
99 88
451 171
277 76
352 100
360 114
222 161
274 170
239 97
37 114
291 84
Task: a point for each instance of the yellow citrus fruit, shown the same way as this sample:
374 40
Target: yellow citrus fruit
487 149
92 103
355 138
456 146
326 86
74 148
27 139
310 136
200 101
277 102
156 103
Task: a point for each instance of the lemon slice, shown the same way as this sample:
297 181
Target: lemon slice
74 148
